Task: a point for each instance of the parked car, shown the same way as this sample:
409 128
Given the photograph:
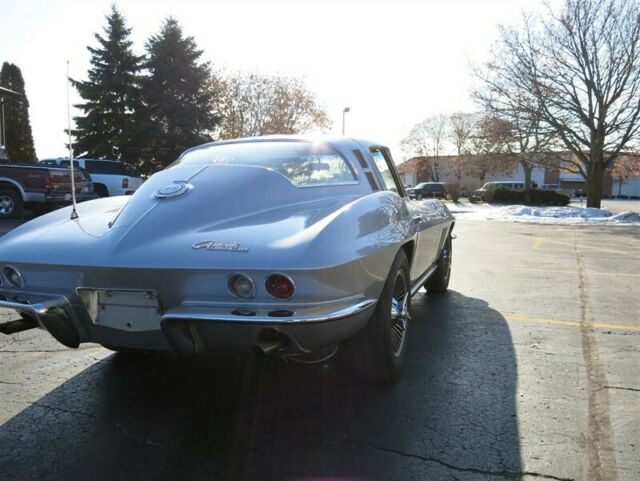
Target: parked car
109 177
482 194
31 185
327 251
425 190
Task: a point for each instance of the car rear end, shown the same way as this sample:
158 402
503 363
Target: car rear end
57 185
112 178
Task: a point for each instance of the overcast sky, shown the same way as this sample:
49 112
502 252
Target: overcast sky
392 62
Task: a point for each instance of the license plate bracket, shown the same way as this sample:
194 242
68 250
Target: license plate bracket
125 310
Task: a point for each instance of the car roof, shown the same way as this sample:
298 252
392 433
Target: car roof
77 159
333 140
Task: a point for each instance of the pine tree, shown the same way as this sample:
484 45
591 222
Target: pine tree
111 96
177 95
19 138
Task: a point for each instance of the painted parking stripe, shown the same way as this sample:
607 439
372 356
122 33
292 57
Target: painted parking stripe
595 325
568 271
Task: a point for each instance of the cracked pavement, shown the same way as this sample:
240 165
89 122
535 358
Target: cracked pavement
528 369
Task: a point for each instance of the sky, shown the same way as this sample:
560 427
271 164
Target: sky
393 63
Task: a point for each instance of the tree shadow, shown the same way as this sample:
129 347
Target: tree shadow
163 417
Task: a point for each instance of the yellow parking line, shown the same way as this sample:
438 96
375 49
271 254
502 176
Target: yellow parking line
595 325
613 248
537 243
568 271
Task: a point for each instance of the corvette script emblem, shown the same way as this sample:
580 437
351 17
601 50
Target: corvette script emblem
212 245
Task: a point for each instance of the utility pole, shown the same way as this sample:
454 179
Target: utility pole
344 113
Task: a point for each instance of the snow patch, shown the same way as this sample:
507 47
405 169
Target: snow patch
543 215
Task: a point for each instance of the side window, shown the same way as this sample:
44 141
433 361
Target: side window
102 167
382 163
91 166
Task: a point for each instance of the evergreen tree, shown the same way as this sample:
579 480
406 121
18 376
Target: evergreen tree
111 96
19 138
178 98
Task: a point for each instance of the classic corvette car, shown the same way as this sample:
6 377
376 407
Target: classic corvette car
289 245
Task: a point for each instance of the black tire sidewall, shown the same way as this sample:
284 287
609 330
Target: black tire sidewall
372 352
439 280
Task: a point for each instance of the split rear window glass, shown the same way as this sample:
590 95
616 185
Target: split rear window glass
303 163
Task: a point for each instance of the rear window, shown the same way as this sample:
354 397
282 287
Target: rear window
104 167
66 163
303 163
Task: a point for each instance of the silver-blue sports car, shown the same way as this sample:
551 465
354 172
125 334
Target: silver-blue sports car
291 246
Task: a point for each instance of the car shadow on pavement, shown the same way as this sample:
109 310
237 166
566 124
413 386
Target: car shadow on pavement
162 417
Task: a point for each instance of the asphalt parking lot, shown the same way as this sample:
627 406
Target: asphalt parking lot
529 368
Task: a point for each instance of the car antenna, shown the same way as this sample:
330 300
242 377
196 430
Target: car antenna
74 212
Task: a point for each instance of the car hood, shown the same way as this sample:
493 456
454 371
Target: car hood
244 211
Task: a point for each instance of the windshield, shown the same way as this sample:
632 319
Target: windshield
303 163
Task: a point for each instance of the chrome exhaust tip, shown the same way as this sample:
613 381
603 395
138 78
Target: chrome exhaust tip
269 342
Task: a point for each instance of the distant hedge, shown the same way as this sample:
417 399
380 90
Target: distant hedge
503 195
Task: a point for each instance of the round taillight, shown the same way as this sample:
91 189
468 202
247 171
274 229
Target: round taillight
280 286
241 286
13 277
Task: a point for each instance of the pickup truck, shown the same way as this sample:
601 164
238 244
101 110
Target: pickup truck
36 187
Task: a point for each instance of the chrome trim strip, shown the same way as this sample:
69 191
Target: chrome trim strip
415 287
182 313
39 308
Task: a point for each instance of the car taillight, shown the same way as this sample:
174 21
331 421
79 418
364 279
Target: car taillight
280 286
241 286
125 183
48 184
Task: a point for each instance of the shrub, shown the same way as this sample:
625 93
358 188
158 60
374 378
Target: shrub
453 189
502 195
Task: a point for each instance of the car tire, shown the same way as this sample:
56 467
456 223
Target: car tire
377 352
439 280
101 190
11 204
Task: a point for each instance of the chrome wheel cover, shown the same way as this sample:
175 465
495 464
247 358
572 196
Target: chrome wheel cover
446 257
6 205
399 314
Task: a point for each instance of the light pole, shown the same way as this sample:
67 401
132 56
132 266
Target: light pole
344 112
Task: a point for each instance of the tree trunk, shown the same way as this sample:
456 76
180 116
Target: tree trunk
527 168
595 180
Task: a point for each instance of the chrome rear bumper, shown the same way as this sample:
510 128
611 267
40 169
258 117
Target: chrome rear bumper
53 313
193 327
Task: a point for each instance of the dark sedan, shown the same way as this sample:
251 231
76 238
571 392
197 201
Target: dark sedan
435 190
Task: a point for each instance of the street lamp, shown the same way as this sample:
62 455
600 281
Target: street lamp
344 112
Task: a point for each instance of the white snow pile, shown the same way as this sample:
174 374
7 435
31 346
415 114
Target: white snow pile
543 215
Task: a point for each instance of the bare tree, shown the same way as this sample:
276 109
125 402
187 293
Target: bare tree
252 105
426 139
461 127
624 167
528 137
489 146
582 70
